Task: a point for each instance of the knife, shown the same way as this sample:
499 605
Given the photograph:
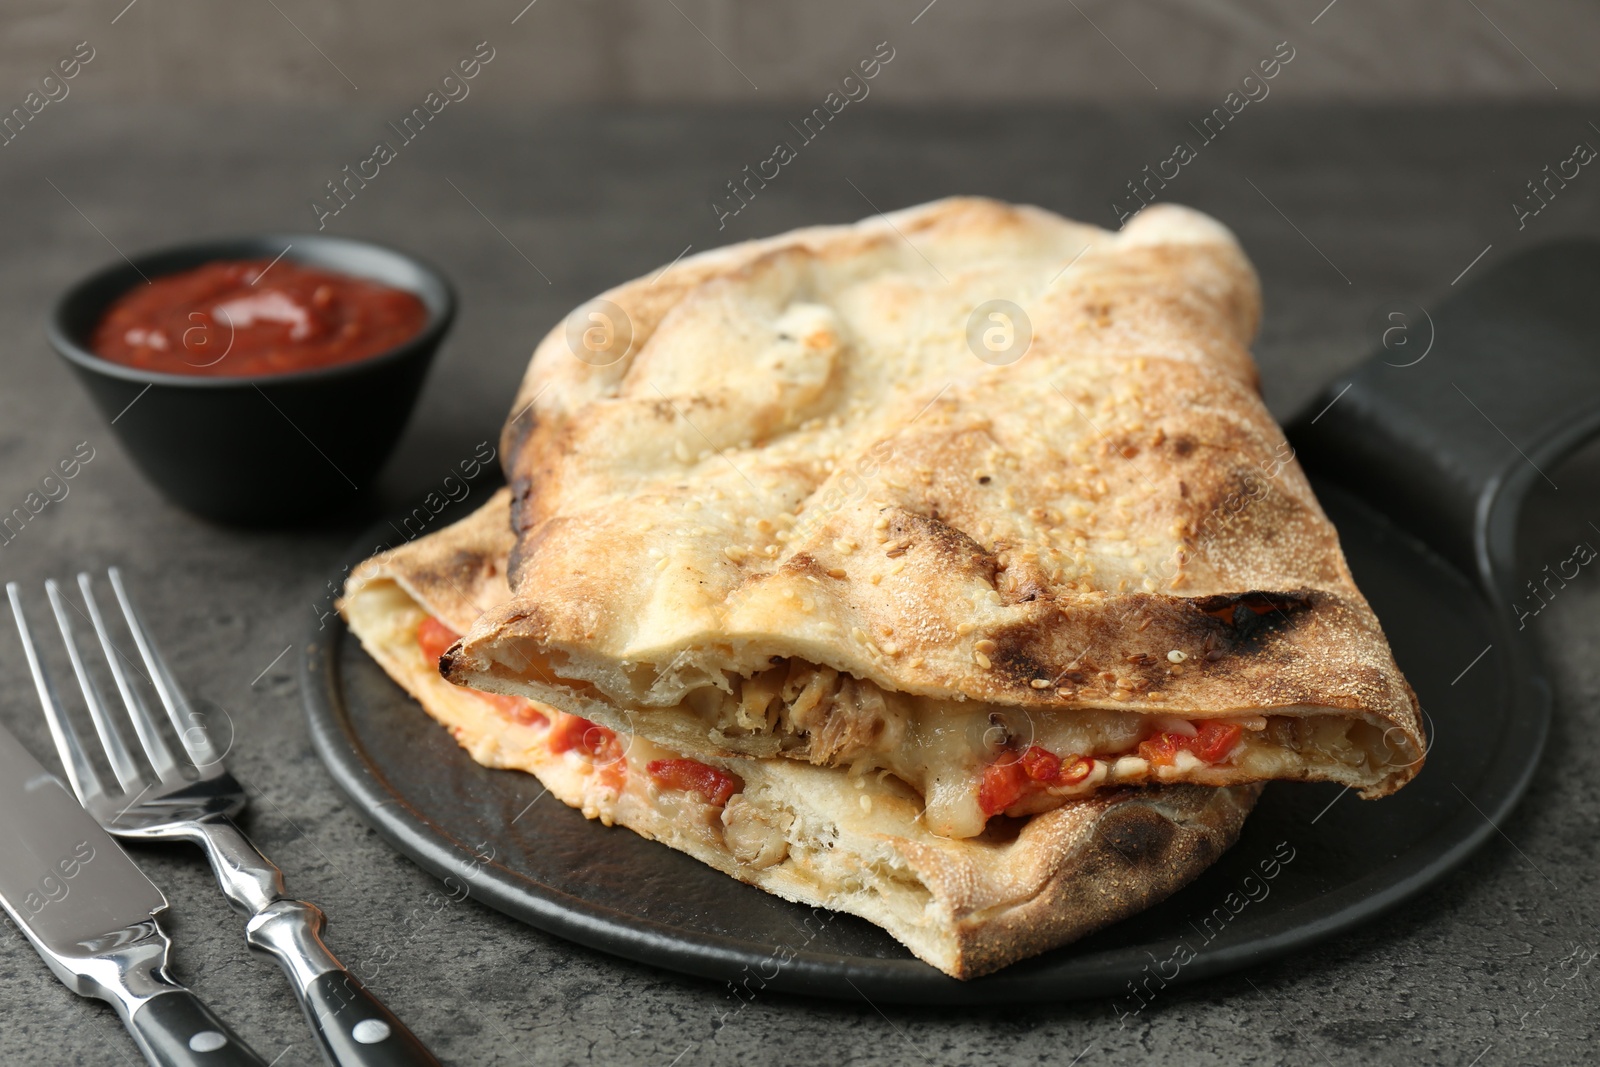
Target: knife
92 915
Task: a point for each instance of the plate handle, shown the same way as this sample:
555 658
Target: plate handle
1449 444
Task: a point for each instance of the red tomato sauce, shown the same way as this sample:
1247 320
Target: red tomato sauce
243 318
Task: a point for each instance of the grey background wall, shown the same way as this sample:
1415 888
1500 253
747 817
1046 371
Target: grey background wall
761 51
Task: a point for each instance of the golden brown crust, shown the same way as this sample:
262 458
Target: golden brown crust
458 571
801 457
1103 865
968 907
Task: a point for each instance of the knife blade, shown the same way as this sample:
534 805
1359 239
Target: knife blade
91 914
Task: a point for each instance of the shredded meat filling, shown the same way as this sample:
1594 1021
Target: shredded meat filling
941 748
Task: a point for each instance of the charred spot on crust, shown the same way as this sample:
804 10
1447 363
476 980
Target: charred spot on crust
1260 609
1028 651
449 661
465 568
1184 445
1013 664
1124 651
1240 623
517 433
950 544
1141 835
522 520
521 495
1236 498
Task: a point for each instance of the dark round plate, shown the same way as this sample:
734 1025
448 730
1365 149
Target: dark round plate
1312 861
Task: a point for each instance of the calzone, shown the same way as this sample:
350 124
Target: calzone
968 498
816 835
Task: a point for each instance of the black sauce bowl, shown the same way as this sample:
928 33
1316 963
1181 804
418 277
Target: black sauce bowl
264 450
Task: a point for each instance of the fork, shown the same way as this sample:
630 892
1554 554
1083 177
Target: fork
197 803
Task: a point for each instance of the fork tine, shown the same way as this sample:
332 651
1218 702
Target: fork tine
121 760
195 740
80 772
155 748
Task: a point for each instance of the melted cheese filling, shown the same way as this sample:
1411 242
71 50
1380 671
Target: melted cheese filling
940 747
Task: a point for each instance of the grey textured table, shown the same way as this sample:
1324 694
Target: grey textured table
1365 205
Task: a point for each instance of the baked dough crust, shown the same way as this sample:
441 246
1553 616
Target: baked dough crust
968 907
801 457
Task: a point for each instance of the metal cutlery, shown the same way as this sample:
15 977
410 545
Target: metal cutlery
196 801
91 914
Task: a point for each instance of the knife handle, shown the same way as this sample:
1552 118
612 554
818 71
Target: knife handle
175 1029
352 1025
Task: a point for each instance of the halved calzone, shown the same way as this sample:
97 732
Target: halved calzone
970 494
815 835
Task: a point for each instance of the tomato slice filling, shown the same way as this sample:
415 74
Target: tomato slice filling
1013 777
692 776
571 732
1040 764
1002 786
1212 743
1008 780
434 638
602 746
1076 771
